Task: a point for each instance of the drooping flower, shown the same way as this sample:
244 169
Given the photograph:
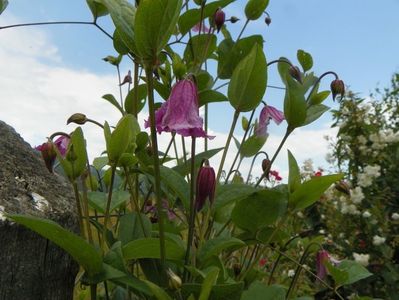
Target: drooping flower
321 258
180 113
268 112
62 144
219 18
206 183
127 78
276 175
48 151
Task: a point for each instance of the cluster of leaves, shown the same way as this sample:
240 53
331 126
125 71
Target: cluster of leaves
135 251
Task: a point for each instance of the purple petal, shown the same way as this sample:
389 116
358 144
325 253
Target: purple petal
62 144
275 114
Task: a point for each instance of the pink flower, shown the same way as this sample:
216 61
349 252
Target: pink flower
276 175
62 144
180 113
321 258
262 262
268 112
204 28
206 184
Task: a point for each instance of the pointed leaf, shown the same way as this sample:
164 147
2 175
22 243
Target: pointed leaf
294 103
194 54
314 112
149 248
229 193
209 281
255 8
305 59
111 99
158 292
177 184
252 145
98 200
209 96
294 177
3 5
97 9
218 245
260 291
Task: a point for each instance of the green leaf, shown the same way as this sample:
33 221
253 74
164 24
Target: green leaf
259 209
314 112
318 98
248 82
3 5
149 248
252 145
141 90
229 193
130 227
79 147
119 44
305 59
210 96
111 99
348 272
123 135
177 184
209 281
255 8
231 53
294 177
154 24
159 293
217 245
84 253
191 17
123 15
98 200
97 9
310 191
283 68
194 54
294 103
230 291
184 169
260 291
100 162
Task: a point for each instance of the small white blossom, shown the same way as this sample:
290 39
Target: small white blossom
395 216
378 240
366 214
357 195
362 259
291 273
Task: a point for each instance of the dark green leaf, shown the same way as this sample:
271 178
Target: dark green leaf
191 17
154 24
130 227
158 292
194 54
96 8
255 8
209 96
98 200
310 191
119 44
209 281
252 145
305 59
349 272
177 184
100 162
149 248
314 112
260 291
3 5
229 193
84 253
259 209
294 103
318 98
217 245
131 96
248 82
184 169
294 177
231 291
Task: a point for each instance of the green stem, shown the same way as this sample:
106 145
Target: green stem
107 210
287 133
154 142
168 148
120 87
233 125
86 210
243 28
79 208
242 141
192 205
93 292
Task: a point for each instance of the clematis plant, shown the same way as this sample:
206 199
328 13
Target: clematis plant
145 226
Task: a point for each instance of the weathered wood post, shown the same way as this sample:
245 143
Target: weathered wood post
31 267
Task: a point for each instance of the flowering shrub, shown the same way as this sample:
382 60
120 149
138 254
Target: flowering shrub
363 222
157 224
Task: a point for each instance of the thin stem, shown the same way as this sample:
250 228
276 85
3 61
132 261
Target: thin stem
233 125
154 141
168 148
86 210
253 162
120 86
318 81
243 28
287 133
242 141
79 208
192 205
107 210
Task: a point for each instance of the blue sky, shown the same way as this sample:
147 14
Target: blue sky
358 39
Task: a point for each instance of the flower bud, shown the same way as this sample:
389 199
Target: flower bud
268 20
337 88
206 183
175 282
77 118
115 61
49 155
234 19
179 68
219 18
265 165
127 79
296 73
244 123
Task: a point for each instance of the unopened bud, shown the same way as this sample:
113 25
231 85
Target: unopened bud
48 153
244 123
237 178
342 187
268 20
296 73
115 61
127 79
219 18
77 118
265 165
206 183
179 68
337 88
234 19
175 282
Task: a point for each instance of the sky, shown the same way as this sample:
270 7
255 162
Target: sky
48 73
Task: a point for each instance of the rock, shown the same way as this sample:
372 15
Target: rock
31 266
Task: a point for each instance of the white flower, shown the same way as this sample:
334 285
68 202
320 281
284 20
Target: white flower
362 259
378 240
362 139
366 214
291 273
395 216
357 195
2 217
